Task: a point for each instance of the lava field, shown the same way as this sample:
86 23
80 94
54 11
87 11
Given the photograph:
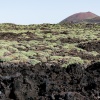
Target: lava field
24 81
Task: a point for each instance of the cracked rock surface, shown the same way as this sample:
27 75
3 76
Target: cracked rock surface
24 81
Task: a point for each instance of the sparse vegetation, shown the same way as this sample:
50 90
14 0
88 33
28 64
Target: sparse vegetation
63 44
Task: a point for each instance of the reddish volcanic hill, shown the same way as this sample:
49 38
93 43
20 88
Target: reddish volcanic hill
79 17
93 20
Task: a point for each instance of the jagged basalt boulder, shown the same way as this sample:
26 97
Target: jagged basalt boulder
24 81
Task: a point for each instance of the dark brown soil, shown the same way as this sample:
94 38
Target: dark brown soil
49 82
9 36
71 40
18 37
90 46
83 55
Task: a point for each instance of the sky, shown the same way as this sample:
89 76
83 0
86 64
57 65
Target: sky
43 11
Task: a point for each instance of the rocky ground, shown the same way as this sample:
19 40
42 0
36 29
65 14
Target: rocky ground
24 81
50 62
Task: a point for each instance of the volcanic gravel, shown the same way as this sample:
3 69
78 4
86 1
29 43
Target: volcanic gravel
24 81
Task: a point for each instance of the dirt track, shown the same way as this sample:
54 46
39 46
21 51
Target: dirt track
49 82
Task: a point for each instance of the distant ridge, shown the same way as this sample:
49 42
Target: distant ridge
82 17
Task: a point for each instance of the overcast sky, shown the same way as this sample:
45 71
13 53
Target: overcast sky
43 11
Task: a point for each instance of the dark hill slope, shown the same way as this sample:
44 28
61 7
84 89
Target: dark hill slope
93 20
